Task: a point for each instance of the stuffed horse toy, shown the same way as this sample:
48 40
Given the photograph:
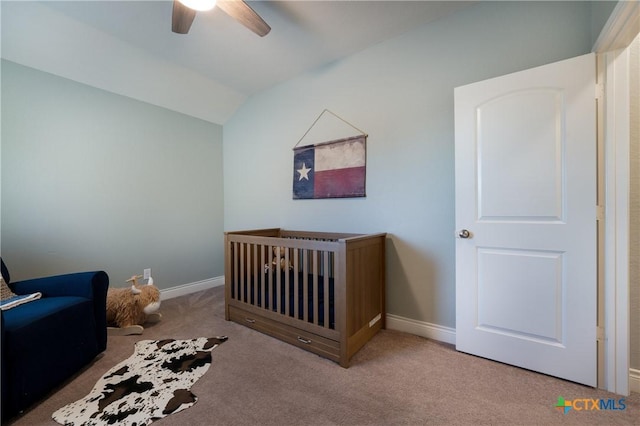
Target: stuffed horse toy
129 308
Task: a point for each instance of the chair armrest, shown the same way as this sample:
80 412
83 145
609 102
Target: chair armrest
83 284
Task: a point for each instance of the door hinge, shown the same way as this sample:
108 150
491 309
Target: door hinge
599 213
599 91
600 334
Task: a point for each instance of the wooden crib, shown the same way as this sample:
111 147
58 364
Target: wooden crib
323 292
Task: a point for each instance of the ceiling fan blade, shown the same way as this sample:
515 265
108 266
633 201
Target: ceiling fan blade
182 18
242 12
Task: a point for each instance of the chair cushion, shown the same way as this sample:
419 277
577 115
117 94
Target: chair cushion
25 324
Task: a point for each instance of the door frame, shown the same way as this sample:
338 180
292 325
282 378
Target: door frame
612 46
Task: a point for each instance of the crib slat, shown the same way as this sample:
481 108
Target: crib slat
296 290
236 278
326 299
255 284
243 279
276 270
234 270
270 292
315 287
251 275
286 281
305 285
236 261
245 275
262 273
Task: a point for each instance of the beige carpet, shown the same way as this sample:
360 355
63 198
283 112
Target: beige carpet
396 379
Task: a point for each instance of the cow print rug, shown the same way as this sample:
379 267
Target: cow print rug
153 383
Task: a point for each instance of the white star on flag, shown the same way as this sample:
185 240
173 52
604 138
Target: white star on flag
304 172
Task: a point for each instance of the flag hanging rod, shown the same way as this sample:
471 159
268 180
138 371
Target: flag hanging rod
335 115
333 142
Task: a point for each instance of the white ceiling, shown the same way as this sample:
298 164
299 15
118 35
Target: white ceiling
127 47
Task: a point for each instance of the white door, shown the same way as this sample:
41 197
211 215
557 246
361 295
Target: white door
525 150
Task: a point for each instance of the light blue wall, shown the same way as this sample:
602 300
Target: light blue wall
94 180
400 92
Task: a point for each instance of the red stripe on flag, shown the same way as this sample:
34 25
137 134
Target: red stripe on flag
339 183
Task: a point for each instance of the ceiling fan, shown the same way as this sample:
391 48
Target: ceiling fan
184 11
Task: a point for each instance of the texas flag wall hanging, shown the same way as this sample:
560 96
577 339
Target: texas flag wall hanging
334 169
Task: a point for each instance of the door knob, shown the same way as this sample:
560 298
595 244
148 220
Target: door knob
464 234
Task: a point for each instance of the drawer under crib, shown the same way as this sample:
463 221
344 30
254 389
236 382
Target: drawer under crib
309 341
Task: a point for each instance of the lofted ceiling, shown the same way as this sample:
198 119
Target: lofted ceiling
127 47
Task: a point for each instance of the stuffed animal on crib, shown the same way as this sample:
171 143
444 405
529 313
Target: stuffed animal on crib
129 308
278 262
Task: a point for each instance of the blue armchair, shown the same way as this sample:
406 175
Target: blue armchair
46 341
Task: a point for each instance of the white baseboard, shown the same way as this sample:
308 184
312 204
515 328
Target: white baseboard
184 289
634 380
421 328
